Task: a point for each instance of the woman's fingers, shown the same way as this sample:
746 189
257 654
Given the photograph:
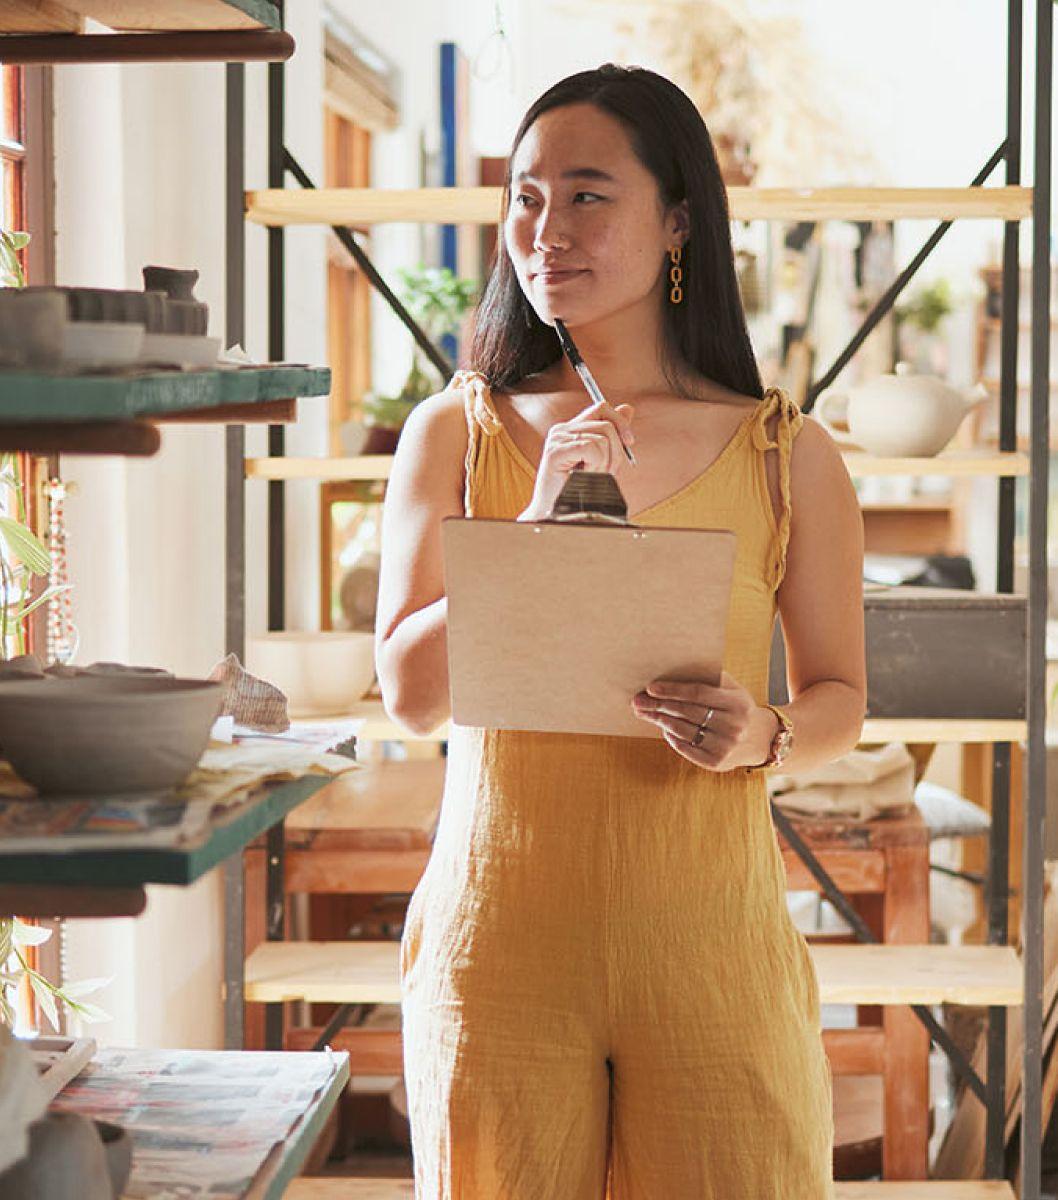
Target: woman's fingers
618 416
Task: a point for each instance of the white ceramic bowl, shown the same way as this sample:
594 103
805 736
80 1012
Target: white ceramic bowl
98 735
322 674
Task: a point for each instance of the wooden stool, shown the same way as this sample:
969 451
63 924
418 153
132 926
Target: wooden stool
883 866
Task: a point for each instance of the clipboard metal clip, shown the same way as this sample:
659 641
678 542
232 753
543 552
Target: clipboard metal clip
592 497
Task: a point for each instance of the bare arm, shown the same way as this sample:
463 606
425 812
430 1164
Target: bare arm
411 638
821 605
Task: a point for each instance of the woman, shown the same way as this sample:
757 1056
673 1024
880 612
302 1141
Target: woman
601 983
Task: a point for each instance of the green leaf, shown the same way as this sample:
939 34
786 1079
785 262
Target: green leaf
44 597
85 987
24 544
91 1013
18 241
45 998
29 935
7 925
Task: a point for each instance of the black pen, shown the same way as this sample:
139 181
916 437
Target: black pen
578 364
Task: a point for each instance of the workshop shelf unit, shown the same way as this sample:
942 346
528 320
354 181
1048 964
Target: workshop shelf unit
993 975
60 413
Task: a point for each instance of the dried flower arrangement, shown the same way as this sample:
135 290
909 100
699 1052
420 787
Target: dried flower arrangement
757 81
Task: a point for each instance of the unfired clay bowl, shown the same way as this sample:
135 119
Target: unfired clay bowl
100 735
322 674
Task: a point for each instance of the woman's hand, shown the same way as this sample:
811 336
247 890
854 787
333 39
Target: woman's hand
590 441
738 732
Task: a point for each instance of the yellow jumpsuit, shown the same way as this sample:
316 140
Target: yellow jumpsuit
603 993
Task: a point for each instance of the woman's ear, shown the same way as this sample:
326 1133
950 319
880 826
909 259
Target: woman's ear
680 223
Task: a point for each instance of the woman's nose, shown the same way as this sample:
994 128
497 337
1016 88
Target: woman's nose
549 234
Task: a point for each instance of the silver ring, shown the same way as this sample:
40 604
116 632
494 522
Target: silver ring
699 735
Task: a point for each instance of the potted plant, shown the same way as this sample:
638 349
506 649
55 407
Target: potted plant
438 300
918 325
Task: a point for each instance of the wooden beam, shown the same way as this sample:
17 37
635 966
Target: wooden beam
481 205
47 900
261 412
250 45
137 439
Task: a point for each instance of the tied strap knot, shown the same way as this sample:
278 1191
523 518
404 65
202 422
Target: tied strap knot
478 399
776 402
481 418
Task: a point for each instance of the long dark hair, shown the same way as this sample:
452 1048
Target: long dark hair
707 330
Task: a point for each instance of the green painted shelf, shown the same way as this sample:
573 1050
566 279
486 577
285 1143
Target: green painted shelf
226 836
27 397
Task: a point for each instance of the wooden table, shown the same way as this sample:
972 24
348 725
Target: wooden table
883 866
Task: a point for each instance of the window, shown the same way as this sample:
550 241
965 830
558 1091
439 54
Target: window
12 150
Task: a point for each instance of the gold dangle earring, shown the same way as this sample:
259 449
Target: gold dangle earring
676 275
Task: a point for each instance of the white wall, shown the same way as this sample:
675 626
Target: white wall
140 179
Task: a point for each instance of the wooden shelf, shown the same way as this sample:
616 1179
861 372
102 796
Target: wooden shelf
953 464
112 414
481 205
68 16
941 731
116 1075
109 869
895 974
917 505
381 806
368 973
330 470
404 1189
27 397
345 972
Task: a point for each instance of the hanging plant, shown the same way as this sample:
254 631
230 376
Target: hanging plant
16 938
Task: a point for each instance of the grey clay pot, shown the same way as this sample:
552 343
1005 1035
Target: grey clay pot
176 283
67 1160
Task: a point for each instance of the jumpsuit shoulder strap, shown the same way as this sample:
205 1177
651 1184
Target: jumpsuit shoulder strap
482 420
777 403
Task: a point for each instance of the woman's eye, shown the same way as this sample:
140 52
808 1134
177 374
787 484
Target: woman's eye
592 195
518 200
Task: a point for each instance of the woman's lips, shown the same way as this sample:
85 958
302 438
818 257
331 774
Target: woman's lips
551 278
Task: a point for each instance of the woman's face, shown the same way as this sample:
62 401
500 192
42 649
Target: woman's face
585 228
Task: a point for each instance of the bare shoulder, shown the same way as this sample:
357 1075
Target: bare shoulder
816 461
441 415
432 446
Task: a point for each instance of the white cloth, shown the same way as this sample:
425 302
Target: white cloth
862 784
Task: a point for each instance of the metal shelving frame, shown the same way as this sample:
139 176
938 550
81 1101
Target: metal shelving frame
991 1090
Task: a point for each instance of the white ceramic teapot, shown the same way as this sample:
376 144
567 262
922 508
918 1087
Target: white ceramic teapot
904 415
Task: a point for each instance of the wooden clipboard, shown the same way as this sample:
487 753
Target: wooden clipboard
555 626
